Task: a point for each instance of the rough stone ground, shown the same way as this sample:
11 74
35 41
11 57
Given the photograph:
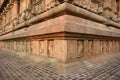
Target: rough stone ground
14 67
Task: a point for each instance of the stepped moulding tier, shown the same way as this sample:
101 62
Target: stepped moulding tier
66 30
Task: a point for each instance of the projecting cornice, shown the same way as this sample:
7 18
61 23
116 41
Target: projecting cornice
25 14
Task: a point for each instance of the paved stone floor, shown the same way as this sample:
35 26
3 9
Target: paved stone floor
13 67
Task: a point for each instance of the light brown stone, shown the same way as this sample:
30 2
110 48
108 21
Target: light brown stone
80 48
62 29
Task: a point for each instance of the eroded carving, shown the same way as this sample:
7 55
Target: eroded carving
80 48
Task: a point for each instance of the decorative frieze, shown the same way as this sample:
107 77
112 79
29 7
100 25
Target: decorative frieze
97 47
80 48
17 12
75 48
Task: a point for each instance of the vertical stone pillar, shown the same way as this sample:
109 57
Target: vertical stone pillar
109 46
43 47
35 46
19 43
22 46
86 49
16 46
60 50
113 43
65 50
101 46
28 47
72 49
105 44
25 46
97 47
90 48
94 47
117 46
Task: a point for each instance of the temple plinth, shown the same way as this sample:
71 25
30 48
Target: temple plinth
66 30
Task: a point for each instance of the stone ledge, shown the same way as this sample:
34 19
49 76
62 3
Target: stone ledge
65 24
69 8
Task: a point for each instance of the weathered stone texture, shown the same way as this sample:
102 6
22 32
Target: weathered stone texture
64 50
61 29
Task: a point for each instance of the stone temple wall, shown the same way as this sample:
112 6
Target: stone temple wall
56 48
62 29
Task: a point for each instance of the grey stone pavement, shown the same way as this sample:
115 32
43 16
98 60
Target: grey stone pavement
14 67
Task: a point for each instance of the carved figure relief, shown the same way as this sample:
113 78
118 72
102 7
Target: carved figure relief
80 49
41 47
50 48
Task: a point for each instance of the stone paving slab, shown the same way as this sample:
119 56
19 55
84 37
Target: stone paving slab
13 67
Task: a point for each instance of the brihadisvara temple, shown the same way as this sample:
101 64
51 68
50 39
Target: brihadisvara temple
65 30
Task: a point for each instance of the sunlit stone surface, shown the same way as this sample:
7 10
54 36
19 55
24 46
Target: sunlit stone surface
69 37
